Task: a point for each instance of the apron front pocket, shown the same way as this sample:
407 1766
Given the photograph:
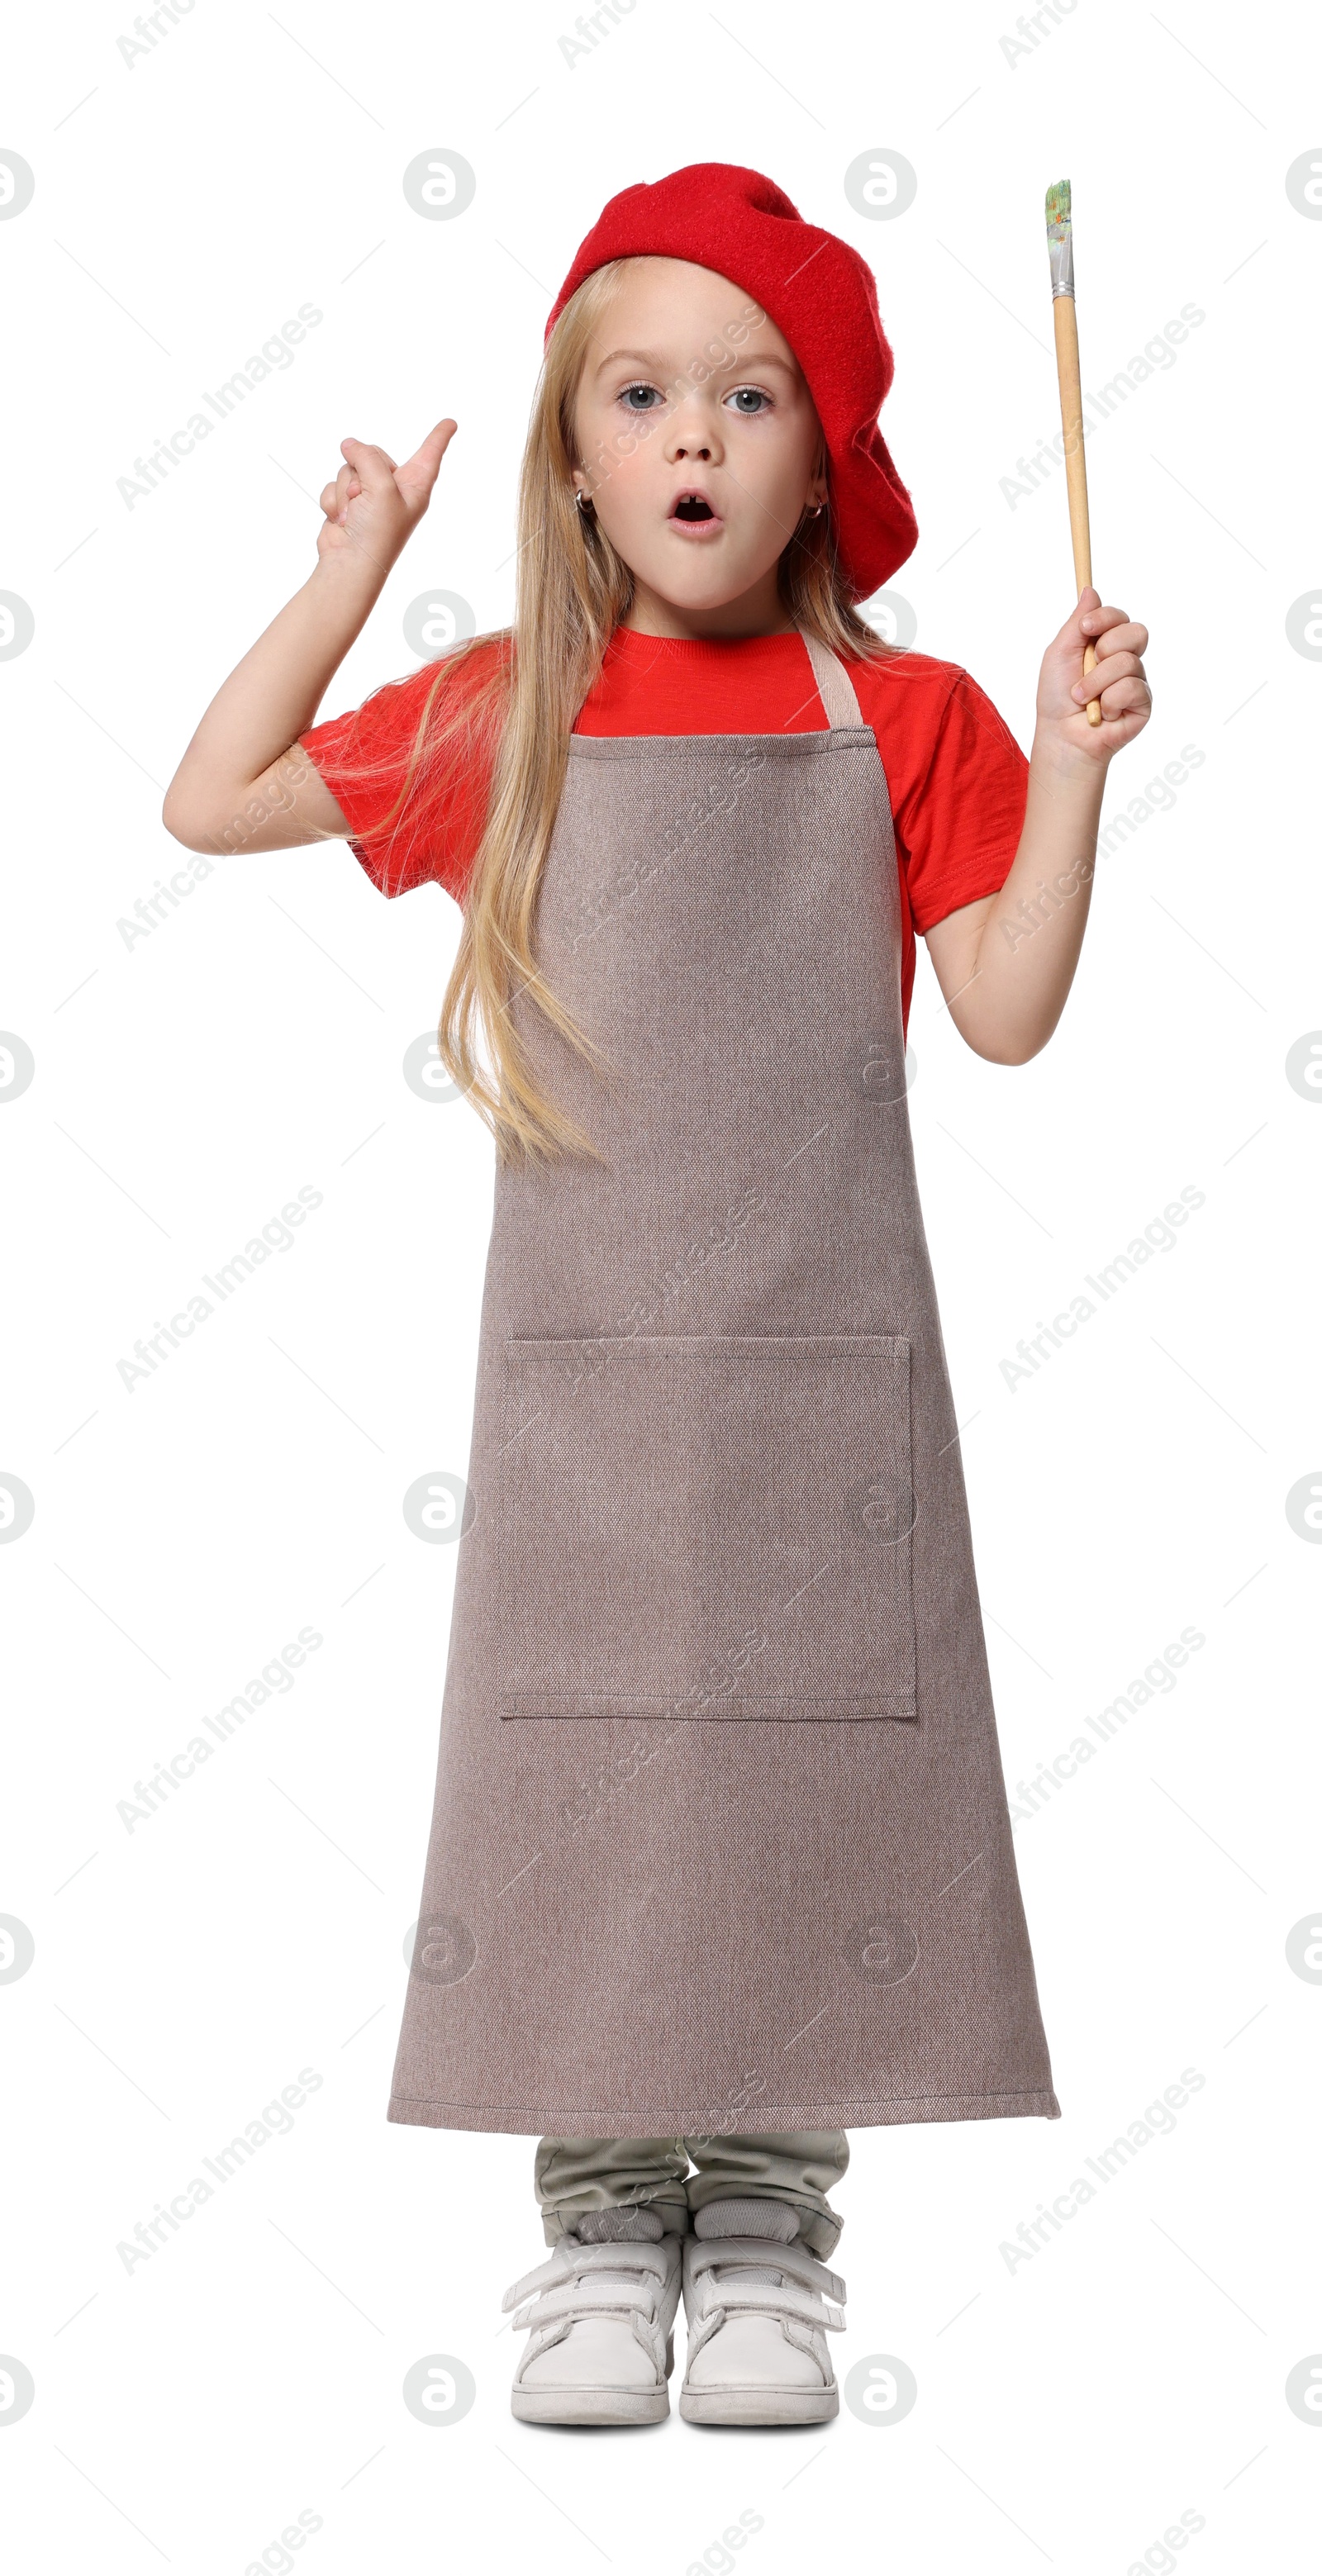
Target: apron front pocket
707 1528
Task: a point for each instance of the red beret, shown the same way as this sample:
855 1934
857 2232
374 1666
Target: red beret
819 293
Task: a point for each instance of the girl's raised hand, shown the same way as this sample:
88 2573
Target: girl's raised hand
1118 681
373 505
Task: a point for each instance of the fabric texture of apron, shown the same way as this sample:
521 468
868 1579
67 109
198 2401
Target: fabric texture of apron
720 1842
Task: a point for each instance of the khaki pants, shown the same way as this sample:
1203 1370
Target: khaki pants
572 2175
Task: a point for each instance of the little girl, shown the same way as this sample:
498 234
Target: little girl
720 1832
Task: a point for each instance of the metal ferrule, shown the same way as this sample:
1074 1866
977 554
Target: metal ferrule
1062 263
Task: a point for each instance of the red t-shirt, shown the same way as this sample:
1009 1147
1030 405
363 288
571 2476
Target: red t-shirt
958 780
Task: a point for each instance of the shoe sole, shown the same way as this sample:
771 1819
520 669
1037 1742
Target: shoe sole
759 2405
590 2405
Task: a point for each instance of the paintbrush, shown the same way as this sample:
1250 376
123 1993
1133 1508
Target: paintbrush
1060 243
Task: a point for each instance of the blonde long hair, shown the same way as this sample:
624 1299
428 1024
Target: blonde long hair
572 591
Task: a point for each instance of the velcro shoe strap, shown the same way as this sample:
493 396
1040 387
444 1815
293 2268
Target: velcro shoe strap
648 2331
540 2277
795 2260
589 2299
761 2298
621 2254
572 2262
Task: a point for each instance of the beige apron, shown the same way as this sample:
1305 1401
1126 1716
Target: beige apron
720 1842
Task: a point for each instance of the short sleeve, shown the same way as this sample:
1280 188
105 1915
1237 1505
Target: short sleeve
408 825
959 804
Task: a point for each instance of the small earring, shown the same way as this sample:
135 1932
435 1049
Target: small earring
583 500
817 509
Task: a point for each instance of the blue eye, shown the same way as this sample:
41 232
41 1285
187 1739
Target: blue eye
627 397
748 401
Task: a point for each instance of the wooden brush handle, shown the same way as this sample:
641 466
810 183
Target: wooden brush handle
1076 472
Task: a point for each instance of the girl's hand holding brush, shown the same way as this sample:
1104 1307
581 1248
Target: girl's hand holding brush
1117 681
1006 963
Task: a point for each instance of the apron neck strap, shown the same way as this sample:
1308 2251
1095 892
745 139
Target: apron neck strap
834 686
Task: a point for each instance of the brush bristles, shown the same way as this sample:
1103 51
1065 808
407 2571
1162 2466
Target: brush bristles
1060 238
1058 211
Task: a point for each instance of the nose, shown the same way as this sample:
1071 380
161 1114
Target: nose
694 437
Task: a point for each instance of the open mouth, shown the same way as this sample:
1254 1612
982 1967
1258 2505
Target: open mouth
693 512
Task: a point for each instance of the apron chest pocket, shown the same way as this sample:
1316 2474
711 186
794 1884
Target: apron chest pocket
707 1528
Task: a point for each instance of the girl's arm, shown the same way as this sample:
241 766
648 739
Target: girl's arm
1006 964
243 782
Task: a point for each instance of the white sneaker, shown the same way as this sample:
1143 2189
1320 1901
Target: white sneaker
600 2349
758 2315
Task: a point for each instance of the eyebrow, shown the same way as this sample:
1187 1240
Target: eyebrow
648 358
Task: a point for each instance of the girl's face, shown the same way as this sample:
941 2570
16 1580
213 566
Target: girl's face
698 444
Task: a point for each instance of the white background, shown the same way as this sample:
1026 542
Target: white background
186 1086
